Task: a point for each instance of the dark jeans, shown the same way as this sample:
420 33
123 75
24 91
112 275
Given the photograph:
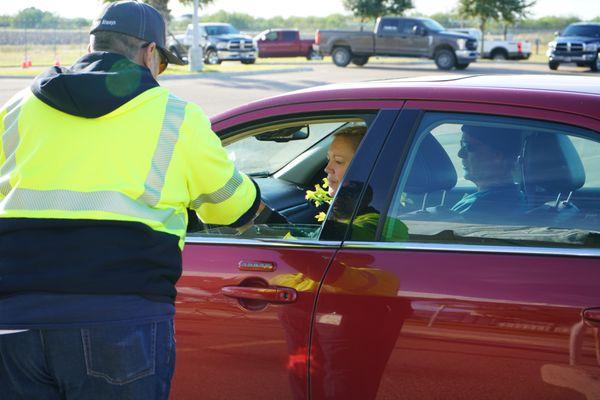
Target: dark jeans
103 362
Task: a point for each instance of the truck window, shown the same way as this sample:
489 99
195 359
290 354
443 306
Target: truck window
389 27
582 30
289 36
408 27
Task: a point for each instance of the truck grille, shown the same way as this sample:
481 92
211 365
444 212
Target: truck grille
568 47
471 44
241 45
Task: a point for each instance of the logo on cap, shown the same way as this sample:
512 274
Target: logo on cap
108 22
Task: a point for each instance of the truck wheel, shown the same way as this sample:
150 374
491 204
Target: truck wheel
499 55
462 66
360 60
252 61
211 57
553 65
596 65
341 56
445 59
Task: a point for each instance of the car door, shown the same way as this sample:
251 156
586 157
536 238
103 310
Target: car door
392 37
438 304
268 44
291 43
419 39
245 302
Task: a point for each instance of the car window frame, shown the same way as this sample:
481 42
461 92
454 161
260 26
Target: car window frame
229 133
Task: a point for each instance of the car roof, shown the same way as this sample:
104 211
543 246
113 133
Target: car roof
586 23
213 23
568 93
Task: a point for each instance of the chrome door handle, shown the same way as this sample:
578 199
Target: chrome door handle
270 294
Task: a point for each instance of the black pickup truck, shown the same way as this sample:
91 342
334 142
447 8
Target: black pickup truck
402 37
579 43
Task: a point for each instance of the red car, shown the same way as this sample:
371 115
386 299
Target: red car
400 294
284 43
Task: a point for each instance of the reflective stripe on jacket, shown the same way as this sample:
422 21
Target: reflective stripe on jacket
147 161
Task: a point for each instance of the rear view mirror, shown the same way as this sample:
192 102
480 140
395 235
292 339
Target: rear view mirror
285 134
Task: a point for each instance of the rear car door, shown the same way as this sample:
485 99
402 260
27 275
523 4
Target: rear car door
436 303
392 37
245 302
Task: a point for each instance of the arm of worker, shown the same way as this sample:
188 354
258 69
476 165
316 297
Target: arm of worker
219 193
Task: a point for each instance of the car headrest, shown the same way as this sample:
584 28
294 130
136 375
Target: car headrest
550 162
432 169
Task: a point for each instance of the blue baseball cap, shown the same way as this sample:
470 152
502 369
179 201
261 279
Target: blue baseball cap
135 19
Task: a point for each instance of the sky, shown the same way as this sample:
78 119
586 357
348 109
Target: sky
584 9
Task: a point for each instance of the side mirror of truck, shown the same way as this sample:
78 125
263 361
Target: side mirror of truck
557 33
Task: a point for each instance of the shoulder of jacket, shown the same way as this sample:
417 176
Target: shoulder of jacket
17 99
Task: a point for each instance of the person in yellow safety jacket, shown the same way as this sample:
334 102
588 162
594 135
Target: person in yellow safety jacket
98 166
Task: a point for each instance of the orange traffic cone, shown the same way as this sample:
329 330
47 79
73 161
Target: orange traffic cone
25 62
28 63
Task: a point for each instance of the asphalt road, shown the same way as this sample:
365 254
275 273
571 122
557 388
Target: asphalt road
217 92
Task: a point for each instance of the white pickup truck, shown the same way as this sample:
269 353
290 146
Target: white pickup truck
499 49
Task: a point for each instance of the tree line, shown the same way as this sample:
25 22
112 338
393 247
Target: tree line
33 18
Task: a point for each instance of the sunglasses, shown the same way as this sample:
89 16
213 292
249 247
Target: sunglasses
163 59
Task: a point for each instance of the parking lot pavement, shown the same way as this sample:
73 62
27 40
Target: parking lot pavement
217 92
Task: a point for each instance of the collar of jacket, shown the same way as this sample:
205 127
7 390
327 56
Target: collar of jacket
97 84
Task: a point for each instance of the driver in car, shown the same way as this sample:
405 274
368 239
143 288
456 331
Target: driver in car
489 156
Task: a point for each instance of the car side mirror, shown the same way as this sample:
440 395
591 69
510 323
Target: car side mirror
557 33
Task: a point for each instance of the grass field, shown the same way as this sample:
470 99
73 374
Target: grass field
44 56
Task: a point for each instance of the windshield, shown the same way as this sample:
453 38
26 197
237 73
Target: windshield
432 25
213 30
582 30
248 154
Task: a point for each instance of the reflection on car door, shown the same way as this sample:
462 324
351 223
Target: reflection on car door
245 308
235 348
425 319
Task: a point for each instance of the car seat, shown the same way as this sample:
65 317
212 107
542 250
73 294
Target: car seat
431 171
551 169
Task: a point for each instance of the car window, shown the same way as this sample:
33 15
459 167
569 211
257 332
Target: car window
289 36
408 27
499 181
248 153
214 30
287 160
389 27
271 36
582 30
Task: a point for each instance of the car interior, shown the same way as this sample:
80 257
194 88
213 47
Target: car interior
301 147
560 207
550 174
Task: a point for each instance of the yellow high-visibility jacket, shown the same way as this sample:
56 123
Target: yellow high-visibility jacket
146 161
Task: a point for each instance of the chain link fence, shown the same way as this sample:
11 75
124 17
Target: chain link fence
41 47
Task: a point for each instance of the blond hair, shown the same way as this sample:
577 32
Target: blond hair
353 133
